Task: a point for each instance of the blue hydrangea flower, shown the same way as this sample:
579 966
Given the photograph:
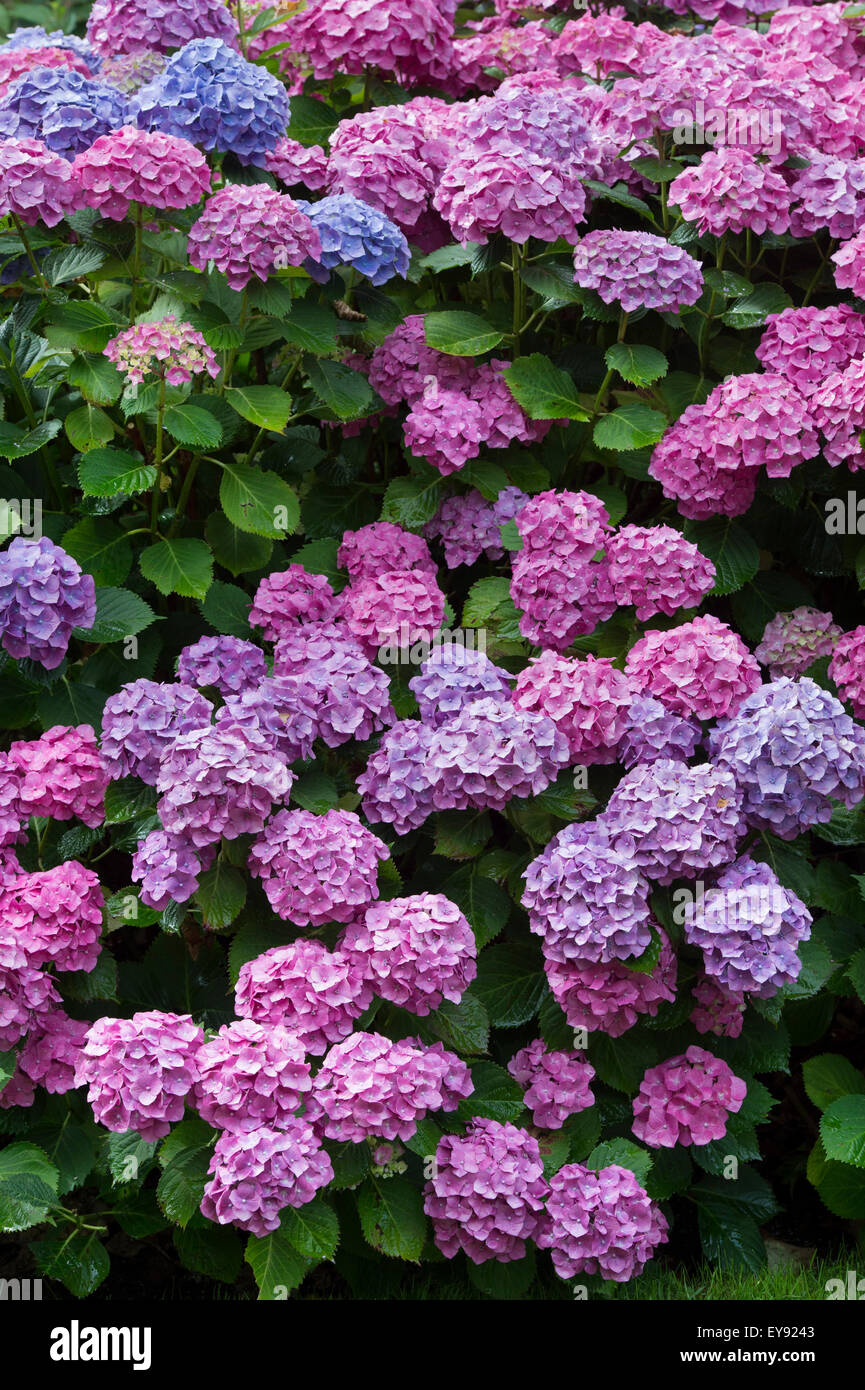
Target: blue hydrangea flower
43 596
352 233
209 95
37 37
66 111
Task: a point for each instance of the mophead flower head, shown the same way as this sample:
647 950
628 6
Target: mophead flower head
555 1085
716 1010
611 998
63 109
652 732
395 609
228 664
150 168
168 868
359 236
847 669
135 26
36 184
55 916
730 190
600 1222
517 195
413 951
793 641
254 1176
807 345
314 993
219 781
587 700
251 1077
687 1100
317 869
452 676
490 751
637 270
44 595
249 232
166 348
657 569
290 597
142 720
139 1071
380 548
701 669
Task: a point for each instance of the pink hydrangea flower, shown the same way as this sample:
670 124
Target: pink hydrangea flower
139 166
35 183
142 350
560 597
369 1086
414 951
15 62
717 1010
729 191
556 1084
807 345
54 916
250 1076
399 366
51 1053
609 998
513 193
134 26
397 608
657 569
294 163
60 775
701 668
445 427
254 1176
839 411
600 1223
410 39
791 642
586 700
249 231
850 265
230 664
637 270
573 525
314 993
291 596
219 781
686 465
687 1100
317 869
829 193
27 996
139 1071
380 548
847 669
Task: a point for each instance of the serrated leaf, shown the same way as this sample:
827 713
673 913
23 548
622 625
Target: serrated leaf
460 333
412 502
178 566
629 427
734 553
277 1266
88 427
639 365
80 1261
267 407
101 549
830 1077
221 894
392 1217
510 984
313 1229
842 1129
257 501
544 391
119 613
341 389
754 308
107 472
625 1154
189 424
96 378
311 121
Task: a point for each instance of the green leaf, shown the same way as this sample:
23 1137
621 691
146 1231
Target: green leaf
482 901
182 567
554 282
18 443
392 1217
79 1261
71 702
411 502
185 1156
842 1129
256 501
8 1063
313 1229
221 894
622 1062
267 407
101 549
107 472
311 121
856 972
277 1266
624 1153
226 608
488 478
639 365
496 1095
96 378
119 613
449 257
754 308
126 799
197 428
504 1281
464 1027
315 791
214 1251
544 391
240 552
629 427
88 427
341 389
82 324
461 834
731 549
483 599
311 327
23 1207
657 170
459 333
71 262
730 1237
510 984
618 193
842 1188
130 1158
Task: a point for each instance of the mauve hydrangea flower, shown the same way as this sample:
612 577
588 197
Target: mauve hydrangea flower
716 1010
687 1100
469 526
749 927
166 348
11 817
445 427
762 419
550 125
560 597
62 108
399 366
502 420
246 231
792 748
60 775
35 36
807 345
387 177
657 569
27 996
839 412
587 897
847 669
599 44
291 596
380 548
452 676
351 695
230 664
729 191
55 916
556 1084
652 732
829 193
396 608
587 701
129 72
410 39
850 265
571 524
139 1071
142 720
52 1050
283 711
294 163
168 868
610 998
395 785
686 465
413 951
701 668
219 781
600 1223
487 1192
36 183
211 96
637 270
791 642
314 993
369 1086
489 752
139 166
354 234
43 595
134 26
250 1076
317 869
677 820
516 194
253 1177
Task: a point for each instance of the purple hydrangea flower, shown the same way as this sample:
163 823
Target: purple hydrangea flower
230 664
315 993
637 270
43 596
63 109
610 998
142 720
414 951
395 784
677 820
600 1223
219 781
489 752
250 1076
452 676
556 1084
317 869
716 1010
792 641
283 711
687 1100
352 696
168 868
27 996
135 26
587 700
291 597
653 732
54 916
253 1177
139 1071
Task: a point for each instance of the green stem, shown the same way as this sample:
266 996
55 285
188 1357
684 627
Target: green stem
157 459
19 227
623 327
136 260
184 494
231 356
519 260
241 22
